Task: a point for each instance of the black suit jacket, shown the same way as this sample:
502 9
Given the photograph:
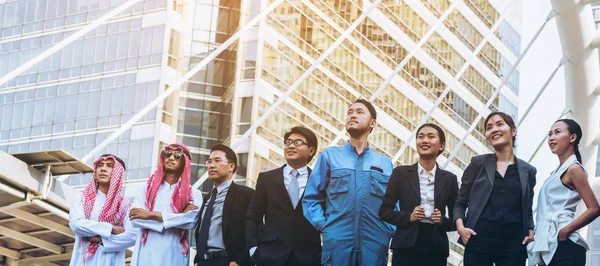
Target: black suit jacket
404 187
234 226
285 229
477 185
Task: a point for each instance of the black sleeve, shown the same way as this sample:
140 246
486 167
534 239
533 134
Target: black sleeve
387 211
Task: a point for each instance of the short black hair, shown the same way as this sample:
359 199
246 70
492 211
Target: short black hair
229 154
311 138
369 106
437 128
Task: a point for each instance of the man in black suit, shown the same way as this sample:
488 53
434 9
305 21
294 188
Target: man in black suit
286 237
220 233
424 192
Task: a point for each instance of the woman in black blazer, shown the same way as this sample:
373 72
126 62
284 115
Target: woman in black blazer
424 192
497 191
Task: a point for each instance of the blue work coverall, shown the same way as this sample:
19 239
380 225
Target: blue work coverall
342 199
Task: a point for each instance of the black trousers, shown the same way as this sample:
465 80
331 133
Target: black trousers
496 242
293 261
424 252
409 257
214 262
568 254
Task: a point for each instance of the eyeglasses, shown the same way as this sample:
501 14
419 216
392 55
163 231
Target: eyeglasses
215 160
297 142
168 153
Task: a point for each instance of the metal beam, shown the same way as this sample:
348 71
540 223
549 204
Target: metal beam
455 80
80 33
297 83
31 240
565 111
65 256
10 253
537 97
402 64
496 92
31 233
34 219
177 84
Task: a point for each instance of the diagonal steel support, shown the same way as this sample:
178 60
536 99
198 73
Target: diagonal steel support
78 34
563 61
455 80
178 84
551 15
539 146
402 64
297 83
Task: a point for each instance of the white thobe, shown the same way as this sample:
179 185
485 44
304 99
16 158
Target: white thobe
162 246
112 250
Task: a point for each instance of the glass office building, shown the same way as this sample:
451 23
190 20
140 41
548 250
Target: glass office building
77 97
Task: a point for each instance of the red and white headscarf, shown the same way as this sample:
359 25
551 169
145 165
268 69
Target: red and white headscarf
115 206
182 195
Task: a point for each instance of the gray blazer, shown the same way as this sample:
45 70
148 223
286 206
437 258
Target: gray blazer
476 188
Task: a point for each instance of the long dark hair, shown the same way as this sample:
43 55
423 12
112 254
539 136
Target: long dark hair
574 128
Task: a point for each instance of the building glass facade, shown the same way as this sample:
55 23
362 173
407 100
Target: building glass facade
77 97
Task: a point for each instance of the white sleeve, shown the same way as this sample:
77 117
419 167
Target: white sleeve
120 242
184 220
83 227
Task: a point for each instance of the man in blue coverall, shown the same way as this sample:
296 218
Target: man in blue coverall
344 193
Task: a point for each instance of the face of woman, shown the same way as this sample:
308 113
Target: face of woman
559 138
498 133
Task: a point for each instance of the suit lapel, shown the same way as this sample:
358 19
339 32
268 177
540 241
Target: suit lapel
438 186
302 196
282 191
413 180
490 168
227 206
523 176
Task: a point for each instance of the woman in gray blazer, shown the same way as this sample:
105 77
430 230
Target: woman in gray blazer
493 212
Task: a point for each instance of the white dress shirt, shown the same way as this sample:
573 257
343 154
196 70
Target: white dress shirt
427 185
302 178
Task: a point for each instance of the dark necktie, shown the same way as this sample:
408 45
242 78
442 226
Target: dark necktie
205 224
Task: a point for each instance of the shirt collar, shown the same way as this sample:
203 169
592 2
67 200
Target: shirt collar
353 149
224 185
422 170
302 170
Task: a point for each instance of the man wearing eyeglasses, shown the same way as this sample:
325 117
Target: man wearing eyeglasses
286 238
165 210
344 193
220 235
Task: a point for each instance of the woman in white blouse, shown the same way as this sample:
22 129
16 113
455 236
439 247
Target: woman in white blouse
557 241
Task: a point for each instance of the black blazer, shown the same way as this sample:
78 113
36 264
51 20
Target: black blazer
285 229
234 226
477 185
404 187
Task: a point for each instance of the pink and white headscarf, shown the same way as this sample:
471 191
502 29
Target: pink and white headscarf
115 206
182 195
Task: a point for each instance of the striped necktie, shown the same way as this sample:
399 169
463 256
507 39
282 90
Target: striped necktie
294 188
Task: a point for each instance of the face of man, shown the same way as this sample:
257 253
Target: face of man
219 168
104 170
359 120
296 149
174 161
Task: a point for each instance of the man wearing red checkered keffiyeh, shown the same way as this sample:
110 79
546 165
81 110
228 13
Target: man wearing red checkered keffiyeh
165 209
98 217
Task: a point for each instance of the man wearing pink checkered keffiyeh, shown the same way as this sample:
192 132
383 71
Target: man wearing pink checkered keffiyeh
165 209
98 217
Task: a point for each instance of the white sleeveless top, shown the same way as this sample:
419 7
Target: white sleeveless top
556 208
